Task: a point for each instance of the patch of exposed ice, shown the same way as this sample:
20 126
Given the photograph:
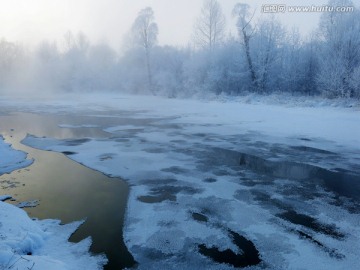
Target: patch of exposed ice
27 204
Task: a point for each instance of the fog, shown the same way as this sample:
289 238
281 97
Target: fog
108 21
86 46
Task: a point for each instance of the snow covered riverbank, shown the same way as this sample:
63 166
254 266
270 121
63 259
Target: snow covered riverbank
26 243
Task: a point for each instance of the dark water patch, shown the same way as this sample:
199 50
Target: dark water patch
167 223
284 169
266 200
175 170
175 190
311 150
331 251
121 140
156 182
151 255
311 223
248 255
76 142
157 199
338 182
178 141
305 139
159 194
69 153
106 156
167 126
261 196
210 180
350 205
201 135
199 217
255 180
220 172
243 195
155 150
249 182
217 208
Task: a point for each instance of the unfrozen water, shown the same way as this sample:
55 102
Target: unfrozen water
66 190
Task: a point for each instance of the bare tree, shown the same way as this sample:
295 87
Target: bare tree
245 30
145 32
209 29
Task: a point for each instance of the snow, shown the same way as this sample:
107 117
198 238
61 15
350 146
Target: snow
5 197
26 243
167 160
10 159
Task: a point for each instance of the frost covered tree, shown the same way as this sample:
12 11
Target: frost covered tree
168 70
48 66
339 57
15 65
76 75
8 57
102 61
297 73
267 49
245 30
144 32
355 82
209 28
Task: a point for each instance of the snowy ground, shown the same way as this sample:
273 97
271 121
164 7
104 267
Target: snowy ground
214 183
37 244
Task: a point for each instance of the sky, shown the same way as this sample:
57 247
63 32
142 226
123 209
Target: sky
31 21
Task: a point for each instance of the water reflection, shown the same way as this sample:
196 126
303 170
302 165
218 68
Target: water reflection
67 190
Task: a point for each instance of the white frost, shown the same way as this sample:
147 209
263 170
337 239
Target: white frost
26 242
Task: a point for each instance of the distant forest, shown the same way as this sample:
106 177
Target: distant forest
264 57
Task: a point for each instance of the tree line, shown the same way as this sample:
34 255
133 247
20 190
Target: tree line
263 57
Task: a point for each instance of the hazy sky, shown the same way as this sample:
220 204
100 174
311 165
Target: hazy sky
30 21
